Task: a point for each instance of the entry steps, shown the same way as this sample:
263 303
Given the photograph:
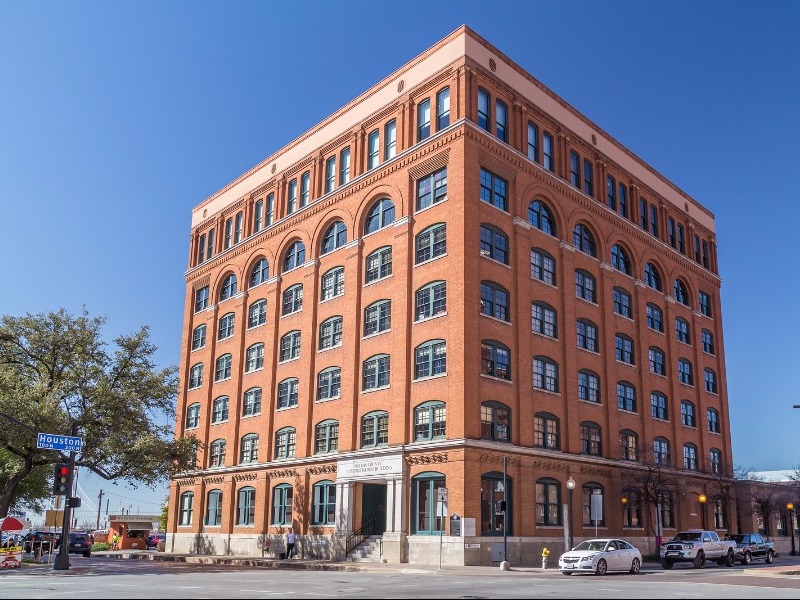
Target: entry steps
367 551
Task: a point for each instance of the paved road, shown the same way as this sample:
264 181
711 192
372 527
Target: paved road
107 578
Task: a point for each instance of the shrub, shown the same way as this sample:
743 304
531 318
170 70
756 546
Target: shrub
99 547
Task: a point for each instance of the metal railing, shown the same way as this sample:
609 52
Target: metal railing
355 539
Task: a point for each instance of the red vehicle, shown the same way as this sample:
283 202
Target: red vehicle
154 539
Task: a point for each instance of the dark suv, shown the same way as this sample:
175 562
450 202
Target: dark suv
79 543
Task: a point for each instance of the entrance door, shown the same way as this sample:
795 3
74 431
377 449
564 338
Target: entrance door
373 506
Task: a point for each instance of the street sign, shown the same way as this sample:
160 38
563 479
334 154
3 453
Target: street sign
441 509
442 495
52 441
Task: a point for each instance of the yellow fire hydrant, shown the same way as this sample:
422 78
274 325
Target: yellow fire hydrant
545 554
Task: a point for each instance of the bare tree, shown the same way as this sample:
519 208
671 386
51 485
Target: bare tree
766 500
727 484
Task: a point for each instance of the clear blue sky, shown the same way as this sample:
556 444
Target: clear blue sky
116 118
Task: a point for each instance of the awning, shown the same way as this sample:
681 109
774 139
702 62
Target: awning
13 524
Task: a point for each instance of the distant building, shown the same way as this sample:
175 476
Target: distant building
454 270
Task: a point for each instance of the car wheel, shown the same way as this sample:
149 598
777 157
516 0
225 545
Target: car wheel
602 567
667 564
566 572
636 566
730 560
770 557
699 561
747 558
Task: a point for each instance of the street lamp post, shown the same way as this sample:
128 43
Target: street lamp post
790 506
702 499
570 488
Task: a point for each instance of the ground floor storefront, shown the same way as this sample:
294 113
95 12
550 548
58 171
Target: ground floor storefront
461 502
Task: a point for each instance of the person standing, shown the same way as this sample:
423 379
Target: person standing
115 541
290 543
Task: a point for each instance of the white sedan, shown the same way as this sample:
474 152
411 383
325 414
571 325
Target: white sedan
600 556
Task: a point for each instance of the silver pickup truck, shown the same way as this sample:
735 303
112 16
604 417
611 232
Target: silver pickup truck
697 546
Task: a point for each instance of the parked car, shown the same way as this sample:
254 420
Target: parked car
79 543
600 556
697 546
752 546
43 541
154 539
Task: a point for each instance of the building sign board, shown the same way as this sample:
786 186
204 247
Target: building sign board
370 468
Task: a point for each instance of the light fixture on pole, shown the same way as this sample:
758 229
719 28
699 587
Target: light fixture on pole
570 488
702 499
790 507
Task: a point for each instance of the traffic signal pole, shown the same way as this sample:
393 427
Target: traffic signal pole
61 562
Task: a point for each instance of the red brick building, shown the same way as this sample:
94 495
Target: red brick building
454 270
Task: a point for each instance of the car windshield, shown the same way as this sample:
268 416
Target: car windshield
592 545
690 536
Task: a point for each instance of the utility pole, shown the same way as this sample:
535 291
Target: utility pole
99 505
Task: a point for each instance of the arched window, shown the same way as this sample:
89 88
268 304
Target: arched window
214 508
545 431
712 416
323 510
285 442
196 376
685 372
624 349
282 504
658 406
690 457
379 216
378 317
548 502
541 218
680 293
652 277
287 392
431 300
430 419
544 320
430 243
620 260
329 383
220 409
376 372
290 346
661 454
375 429
217 453
591 439
424 494
326 437
193 416
332 284
495 359
711 381
629 445
588 386
330 333
295 256
246 506
249 450
226 326
626 396
430 359
494 300
545 374
589 490
496 518
688 416
223 368
257 314
199 337
583 240
185 508
495 421
292 299
335 237
378 264
494 244
228 289
543 266
252 402
260 272
254 358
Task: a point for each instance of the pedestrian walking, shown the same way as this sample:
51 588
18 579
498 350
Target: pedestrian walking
115 542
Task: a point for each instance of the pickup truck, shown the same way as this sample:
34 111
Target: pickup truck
752 546
697 546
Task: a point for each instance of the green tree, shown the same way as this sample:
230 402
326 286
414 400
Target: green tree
162 522
55 372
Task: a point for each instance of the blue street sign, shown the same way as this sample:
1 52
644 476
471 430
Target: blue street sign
52 441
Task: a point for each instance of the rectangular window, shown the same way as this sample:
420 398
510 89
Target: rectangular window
432 189
575 169
237 231
344 166
611 189
423 120
643 214
494 190
705 304
258 219
623 200
201 252
705 254
533 142
588 178
373 149
654 220
330 174
484 121
548 152
201 299
291 202
305 186
270 209
696 249
501 116
443 109
681 240
390 139
228 233
671 231
210 249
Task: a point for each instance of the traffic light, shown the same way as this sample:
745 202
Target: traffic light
61 480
